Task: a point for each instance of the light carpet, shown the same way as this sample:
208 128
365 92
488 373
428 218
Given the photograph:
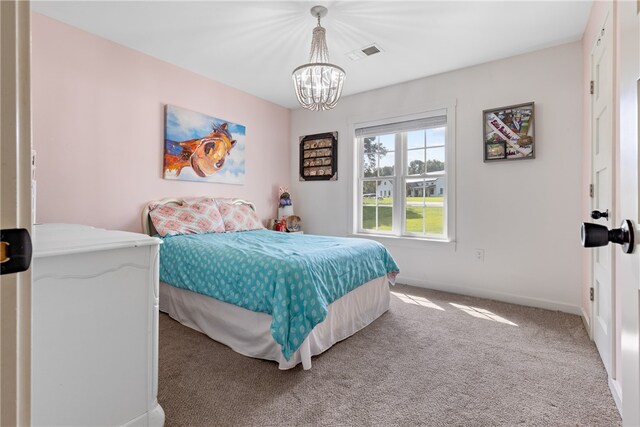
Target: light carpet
433 359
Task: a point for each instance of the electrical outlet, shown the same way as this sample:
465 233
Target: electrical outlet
479 254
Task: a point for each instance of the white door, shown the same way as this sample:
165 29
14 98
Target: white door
602 176
628 195
15 210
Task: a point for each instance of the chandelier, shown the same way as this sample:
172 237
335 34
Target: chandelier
318 84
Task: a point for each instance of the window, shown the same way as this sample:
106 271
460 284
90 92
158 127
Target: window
404 176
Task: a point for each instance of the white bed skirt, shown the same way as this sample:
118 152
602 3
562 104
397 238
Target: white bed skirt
248 332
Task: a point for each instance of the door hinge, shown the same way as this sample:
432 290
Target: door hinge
591 190
591 297
591 87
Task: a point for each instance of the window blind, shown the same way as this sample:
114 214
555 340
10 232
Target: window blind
405 126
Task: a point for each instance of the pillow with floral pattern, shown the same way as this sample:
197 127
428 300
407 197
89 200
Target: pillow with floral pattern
239 217
194 217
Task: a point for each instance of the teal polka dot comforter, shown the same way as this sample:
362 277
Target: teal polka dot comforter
293 277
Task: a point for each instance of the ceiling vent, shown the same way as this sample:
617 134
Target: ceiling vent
363 52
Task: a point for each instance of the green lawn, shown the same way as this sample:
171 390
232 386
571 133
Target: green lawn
433 218
434 199
387 200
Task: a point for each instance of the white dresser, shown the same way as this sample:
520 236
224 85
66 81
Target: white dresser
94 327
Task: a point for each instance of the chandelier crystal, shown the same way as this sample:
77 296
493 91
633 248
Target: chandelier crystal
318 84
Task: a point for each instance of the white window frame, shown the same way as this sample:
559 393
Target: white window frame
399 225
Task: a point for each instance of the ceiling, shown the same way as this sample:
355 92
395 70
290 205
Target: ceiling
254 45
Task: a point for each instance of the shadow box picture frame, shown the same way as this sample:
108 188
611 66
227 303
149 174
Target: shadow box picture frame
509 133
319 157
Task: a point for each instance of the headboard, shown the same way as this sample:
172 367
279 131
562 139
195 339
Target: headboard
147 225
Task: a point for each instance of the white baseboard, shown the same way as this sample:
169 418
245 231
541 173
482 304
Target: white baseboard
587 323
616 392
498 296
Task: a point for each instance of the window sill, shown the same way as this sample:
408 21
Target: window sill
404 240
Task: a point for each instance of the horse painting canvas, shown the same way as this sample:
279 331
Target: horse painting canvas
198 147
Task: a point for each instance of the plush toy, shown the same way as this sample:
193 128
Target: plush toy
285 198
282 225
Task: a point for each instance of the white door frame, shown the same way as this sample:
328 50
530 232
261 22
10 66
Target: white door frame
606 30
15 209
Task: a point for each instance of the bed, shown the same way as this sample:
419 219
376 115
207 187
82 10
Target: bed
277 296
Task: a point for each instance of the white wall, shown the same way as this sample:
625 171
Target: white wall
525 214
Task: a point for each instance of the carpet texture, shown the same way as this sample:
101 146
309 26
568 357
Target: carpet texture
433 359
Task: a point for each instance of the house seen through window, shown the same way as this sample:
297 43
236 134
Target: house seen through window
402 177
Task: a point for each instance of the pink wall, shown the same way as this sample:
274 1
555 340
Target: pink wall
98 129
